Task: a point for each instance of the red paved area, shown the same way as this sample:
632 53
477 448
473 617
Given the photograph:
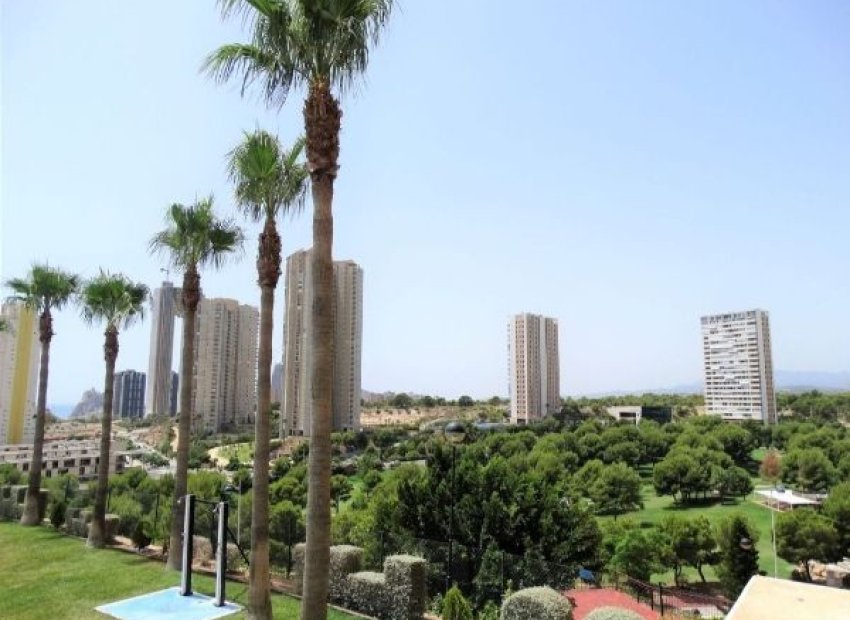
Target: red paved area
585 601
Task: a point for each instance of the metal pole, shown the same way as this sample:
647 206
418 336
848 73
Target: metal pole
451 523
239 515
221 555
188 540
661 598
773 534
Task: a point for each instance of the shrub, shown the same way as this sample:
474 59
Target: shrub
613 613
140 537
539 603
367 592
57 513
489 612
456 606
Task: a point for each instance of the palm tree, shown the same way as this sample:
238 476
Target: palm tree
320 45
118 302
44 290
268 181
193 238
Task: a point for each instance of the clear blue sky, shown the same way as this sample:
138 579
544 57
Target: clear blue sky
623 166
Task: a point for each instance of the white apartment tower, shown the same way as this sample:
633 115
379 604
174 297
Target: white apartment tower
164 304
534 367
224 391
298 345
738 366
20 353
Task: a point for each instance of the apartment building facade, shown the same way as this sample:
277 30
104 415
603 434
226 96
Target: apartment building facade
20 353
298 345
738 366
534 367
158 383
128 395
224 375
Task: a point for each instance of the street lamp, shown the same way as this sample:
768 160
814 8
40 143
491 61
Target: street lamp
455 432
777 488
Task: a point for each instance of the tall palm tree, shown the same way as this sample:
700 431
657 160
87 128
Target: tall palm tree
118 302
268 181
43 290
321 45
194 238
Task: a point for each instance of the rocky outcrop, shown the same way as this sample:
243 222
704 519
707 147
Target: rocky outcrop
91 404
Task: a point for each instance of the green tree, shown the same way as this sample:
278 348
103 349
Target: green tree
193 238
808 469
735 482
691 542
803 535
637 554
837 508
738 555
44 290
402 401
323 46
616 490
736 441
465 401
269 181
455 606
117 302
340 489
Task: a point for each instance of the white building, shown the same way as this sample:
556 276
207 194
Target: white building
534 367
158 387
224 391
20 353
298 345
738 366
80 458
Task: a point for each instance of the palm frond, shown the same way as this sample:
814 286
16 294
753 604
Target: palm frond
193 236
44 288
268 180
113 299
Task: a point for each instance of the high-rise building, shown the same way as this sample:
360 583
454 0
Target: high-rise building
298 345
128 394
19 360
277 383
224 394
534 367
164 307
738 366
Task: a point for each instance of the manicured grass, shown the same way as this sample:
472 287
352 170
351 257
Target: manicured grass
47 575
656 508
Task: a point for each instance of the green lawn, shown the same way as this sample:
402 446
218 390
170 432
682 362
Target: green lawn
656 508
47 575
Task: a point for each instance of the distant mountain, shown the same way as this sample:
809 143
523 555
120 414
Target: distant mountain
90 404
803 380
786 381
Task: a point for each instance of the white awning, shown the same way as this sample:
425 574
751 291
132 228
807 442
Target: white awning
786 497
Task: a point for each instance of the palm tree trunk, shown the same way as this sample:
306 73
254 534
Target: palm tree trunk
322 121
191 297
268 271
97 532
31 515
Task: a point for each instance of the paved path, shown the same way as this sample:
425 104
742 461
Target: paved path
585 601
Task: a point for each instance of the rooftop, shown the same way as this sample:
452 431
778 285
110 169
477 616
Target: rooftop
780 599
